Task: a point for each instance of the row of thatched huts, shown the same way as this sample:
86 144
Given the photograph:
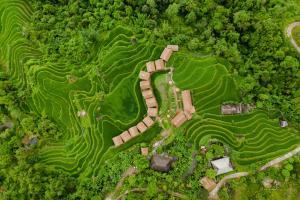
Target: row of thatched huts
148 94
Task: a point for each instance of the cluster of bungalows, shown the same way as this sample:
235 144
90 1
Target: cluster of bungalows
188 109
148 94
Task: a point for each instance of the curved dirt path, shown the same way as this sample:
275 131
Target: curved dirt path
214 193
280 159
289 30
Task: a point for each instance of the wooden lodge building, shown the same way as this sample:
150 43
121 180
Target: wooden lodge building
233 109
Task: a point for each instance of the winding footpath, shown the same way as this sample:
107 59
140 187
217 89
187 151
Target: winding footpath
289 34
214 193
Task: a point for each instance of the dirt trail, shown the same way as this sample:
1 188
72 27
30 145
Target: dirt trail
280 159
214 193
289 30
129 172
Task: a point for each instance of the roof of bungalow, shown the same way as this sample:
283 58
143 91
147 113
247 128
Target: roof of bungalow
151 102
188 115
159 64
150 66
161 163
125 136
222 165
144 75
148 121
144 151
141 127
133 131
187 101
173 47
145 85
208 183
117 140
179 119
166 54
147 94
152 112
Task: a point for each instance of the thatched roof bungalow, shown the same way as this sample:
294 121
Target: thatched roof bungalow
159 65
147 94
173 47
145 85
152 112
133 131
144 151
166 54
151 102
117 140
148 121
141 127
150 66
161 163
187 101
144 75
125 136
179 119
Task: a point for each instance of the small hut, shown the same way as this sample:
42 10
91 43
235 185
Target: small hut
133 131
141 127
152 112
150 66
144 151
179 119
148 121
166 54
147 94
117 140
125 136
173 47
208 183
187 101
151 102
145 85
159 64
144 75
161 163
222 165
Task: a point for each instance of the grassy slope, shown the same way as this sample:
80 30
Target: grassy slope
253 137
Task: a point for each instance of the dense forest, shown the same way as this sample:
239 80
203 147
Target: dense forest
249 34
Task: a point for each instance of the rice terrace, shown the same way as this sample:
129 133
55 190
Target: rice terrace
149 100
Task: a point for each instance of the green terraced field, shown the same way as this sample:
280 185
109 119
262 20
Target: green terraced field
108 91
253 137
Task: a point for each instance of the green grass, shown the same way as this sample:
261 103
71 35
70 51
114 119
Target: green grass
110 94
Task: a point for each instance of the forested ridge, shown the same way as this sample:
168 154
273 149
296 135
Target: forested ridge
72 37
